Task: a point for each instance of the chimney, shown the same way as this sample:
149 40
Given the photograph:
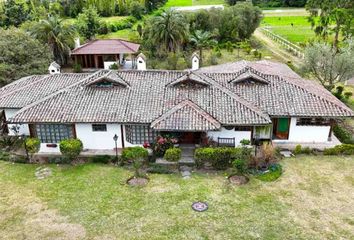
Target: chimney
77 42
195 61
54 68
141 62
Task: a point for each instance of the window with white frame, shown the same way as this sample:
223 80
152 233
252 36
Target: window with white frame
53 133
139 134
99 127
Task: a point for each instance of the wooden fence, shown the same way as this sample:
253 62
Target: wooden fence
291 47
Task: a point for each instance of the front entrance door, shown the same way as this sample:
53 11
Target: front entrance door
281 128
190 138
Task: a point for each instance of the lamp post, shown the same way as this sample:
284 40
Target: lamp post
115 138
25 145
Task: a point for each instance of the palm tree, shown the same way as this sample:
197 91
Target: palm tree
56 34
169 30
202 40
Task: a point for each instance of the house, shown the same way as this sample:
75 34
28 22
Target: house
103 53
227 103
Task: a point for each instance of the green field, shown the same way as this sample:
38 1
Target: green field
312 200
299 32
184 3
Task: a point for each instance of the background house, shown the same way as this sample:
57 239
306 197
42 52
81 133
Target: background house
106 52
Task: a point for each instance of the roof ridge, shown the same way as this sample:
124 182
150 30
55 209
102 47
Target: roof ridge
124 43
55 93
239 99
194 106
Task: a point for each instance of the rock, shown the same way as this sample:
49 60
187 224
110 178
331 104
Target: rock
186 173
238 180
137 181
43 172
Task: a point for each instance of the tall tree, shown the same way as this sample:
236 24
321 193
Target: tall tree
14 13
202 40
58 35
332 16
88 22
21 55
169 30
328 65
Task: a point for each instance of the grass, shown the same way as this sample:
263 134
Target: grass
300 32
185 3
312 200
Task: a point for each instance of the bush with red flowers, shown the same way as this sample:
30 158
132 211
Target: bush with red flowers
163 143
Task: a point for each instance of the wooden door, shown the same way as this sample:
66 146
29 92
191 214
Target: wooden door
281 127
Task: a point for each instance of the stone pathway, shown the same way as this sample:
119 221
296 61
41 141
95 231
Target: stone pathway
186 172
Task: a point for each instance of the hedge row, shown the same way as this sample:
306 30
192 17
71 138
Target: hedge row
219 158
344 149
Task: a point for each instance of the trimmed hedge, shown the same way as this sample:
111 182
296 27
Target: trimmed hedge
343 135
344 149
134 153
173 154
71 148
33 145
219 158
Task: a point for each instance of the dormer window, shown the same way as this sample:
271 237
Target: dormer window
190 80
249 75
109 80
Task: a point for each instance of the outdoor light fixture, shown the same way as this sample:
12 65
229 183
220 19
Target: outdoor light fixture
115 138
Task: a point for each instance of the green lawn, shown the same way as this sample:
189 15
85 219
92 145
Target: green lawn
184 3
312 200
300 32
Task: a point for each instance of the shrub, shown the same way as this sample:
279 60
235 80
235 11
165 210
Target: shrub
245 142
173 154
348 95
307 150
77 68
70 148
220 158
138 155
268 153
104 28
32 145
344 149
298 149
274 172
343 135
240 165
136 10
161 144
134 153
203 155
114 66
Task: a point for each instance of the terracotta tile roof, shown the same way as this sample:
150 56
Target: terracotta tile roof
158 97
106 46
186 116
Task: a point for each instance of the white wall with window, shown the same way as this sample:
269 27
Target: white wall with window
239 133
309 130
98 136
21 128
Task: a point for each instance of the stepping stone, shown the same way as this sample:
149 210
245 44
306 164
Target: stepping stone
286 153
43 172
186 173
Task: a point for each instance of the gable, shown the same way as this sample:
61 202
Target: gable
250 76
190 80
111 79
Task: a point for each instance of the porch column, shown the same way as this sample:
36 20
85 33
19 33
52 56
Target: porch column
96 61
121 55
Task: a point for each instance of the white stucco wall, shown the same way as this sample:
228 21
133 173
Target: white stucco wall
24 129
99 140
224 133
308 133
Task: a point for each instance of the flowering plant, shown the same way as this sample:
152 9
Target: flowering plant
163 143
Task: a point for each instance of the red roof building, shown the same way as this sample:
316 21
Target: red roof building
95 53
